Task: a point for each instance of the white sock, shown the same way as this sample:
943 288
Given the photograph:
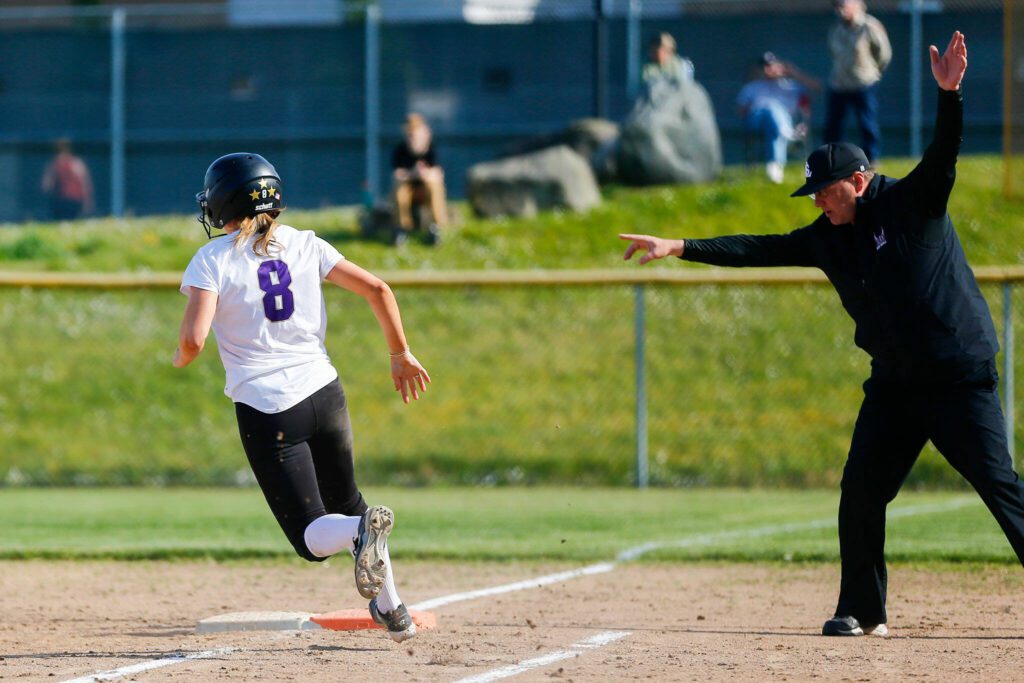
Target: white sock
330 534
388 598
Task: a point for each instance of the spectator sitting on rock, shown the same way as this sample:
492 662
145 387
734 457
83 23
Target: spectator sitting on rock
666 68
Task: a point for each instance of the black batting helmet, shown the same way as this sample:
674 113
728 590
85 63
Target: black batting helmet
236 186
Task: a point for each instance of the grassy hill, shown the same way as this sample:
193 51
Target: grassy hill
989 227
747 386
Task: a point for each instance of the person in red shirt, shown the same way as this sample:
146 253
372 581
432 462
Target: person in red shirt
68 184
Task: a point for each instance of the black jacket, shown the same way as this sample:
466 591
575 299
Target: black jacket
899 268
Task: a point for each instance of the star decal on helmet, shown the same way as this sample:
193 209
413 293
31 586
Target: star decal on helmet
255 194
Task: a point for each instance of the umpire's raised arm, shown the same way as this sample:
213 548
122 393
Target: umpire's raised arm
931 181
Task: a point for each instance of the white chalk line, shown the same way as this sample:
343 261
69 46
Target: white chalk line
687 542
574 650
152 664
590 570
775 529
517 586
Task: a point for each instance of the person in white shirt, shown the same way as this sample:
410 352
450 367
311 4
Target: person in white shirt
259 287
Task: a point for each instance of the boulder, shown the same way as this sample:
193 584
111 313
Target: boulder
670 137
584 136
556 177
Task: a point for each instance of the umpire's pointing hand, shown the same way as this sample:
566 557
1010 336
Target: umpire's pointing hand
949 69
655 247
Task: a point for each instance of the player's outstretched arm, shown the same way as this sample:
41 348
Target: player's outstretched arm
195 325
949 69
409 377
654 247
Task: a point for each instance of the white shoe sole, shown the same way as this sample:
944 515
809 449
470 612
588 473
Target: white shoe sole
402 636
371 570
879 631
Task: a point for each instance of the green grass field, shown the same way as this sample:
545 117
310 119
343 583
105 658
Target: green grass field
741 201
747 386
523 523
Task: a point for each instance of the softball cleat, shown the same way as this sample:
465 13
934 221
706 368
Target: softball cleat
371 569
398 622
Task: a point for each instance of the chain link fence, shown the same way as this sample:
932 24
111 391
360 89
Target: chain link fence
151 92
742 385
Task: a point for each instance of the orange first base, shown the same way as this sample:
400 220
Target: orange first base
357 619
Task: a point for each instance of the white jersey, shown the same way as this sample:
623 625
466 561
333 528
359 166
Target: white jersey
271 318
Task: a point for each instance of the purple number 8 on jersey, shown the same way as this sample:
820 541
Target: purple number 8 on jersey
278 302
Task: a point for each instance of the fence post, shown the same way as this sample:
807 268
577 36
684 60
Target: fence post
640 338
1008 380
117 63
633 50
916 8
372 95
600 61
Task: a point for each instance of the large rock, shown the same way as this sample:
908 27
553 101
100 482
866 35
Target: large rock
594 139
584 136
670 137
556 177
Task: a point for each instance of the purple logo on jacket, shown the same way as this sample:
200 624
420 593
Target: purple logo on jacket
879 238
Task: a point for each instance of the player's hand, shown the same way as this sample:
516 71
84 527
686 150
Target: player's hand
655 247
949 69
409 376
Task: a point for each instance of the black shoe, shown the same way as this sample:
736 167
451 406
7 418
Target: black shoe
398 622
400 237
842 626
433 237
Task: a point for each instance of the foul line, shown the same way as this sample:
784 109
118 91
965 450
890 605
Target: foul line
691 541
575 650
146 666
517 586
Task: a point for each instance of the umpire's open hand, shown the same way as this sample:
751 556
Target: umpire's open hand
949 69
655 247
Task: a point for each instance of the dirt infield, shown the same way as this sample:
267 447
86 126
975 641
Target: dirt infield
62 620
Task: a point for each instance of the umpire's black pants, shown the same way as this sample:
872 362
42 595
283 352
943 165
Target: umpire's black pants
964 420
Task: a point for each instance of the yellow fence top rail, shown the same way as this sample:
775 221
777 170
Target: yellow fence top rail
498 278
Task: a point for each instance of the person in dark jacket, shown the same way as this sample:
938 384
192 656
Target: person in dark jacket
889 248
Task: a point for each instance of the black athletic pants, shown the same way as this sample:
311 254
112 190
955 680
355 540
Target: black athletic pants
964 420
302 459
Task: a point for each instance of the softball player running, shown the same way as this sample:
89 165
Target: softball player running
260 289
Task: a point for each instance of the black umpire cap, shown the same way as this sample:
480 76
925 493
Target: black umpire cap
829 163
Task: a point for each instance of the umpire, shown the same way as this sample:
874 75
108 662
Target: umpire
890 250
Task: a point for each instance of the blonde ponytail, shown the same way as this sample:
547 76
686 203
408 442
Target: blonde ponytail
262 226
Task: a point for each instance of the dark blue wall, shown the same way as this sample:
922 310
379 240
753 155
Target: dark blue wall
296 95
